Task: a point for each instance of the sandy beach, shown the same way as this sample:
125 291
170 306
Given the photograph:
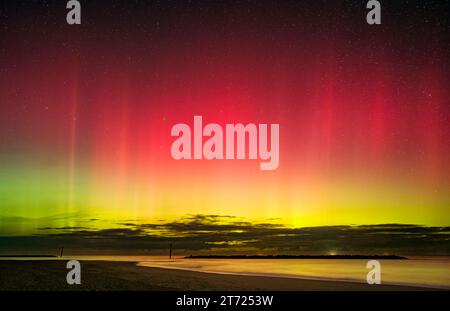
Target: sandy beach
106 276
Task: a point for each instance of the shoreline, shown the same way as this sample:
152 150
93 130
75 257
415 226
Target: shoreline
284 257
289 276
45 275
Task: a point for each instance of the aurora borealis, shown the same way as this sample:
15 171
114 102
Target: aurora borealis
86 113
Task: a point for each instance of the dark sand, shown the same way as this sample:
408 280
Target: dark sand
104 275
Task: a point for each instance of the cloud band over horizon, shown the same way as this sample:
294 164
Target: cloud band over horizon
214 234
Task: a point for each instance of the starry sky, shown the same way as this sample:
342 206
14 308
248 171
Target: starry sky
86 112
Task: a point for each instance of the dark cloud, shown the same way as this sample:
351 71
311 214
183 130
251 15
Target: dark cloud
225 234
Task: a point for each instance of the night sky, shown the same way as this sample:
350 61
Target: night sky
86 113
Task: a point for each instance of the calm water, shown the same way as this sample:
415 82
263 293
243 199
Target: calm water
425 271
417 271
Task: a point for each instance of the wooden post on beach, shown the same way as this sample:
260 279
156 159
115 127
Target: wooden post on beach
170 251
61 254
